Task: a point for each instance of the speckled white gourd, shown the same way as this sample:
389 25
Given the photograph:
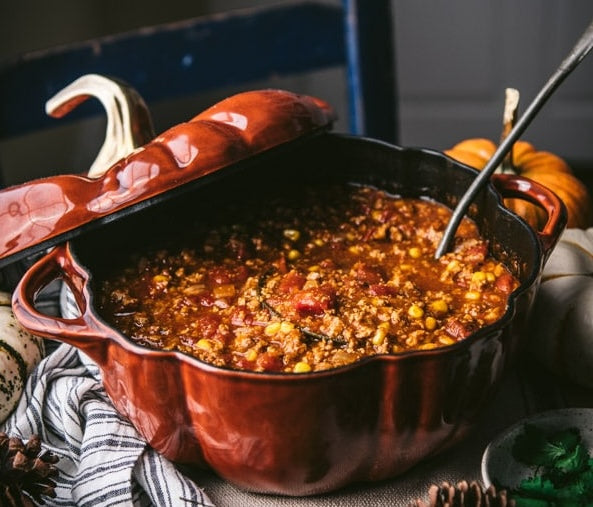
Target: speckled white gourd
20 352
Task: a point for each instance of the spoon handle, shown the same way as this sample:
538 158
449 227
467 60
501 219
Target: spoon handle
576 55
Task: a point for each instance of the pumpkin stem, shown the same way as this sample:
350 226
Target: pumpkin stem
509 117
129 124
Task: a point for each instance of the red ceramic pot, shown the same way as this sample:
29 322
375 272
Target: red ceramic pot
315 432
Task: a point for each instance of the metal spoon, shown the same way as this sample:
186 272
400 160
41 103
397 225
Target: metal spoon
576 55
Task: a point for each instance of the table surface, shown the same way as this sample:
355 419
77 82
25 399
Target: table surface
525 390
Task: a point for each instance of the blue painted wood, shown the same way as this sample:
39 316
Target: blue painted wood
175 59
201 54
370 61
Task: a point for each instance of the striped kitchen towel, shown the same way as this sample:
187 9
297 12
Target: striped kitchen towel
103 460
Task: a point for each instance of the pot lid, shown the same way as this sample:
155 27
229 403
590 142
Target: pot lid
42 213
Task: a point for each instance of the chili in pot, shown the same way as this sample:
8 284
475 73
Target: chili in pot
310 281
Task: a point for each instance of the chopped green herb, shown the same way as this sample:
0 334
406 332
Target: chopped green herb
563 469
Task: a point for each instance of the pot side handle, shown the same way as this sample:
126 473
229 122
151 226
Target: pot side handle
85 332
510 185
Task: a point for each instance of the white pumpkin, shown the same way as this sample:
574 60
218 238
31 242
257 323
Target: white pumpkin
20 352
561 326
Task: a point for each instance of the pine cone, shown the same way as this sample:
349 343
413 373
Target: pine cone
25 471
465 495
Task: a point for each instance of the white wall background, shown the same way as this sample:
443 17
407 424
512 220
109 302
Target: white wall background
454 60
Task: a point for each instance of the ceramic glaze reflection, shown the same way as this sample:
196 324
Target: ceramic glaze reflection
133 180
237 120
183 150
33 213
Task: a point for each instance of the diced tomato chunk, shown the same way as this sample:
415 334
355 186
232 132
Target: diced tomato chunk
241 316
281 264
457 329
475 253
314 301
291 283
219 275
381 289
367 274
207 324
270 362
243 363
505 283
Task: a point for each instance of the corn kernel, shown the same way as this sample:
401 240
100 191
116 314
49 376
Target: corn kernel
490 276
272 329
453 266
491 315
314 268
293 255
354 249
377 214
286 327
415 311
428 346
446 340
204 344
160 279
478 277
379 337
380 334
291 234
318 242
415 252
439 307
380 232
301 367
472 295
430 323
251 355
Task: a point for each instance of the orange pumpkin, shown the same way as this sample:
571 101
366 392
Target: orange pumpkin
542 166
